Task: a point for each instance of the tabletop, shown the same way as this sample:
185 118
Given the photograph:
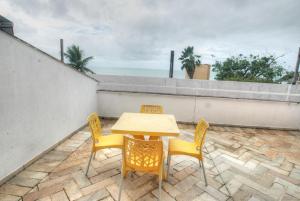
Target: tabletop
146 124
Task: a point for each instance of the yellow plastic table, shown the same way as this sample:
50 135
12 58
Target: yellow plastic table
146 124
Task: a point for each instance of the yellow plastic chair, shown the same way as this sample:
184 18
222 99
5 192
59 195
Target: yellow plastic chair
143 156
194 149
151 109
100 141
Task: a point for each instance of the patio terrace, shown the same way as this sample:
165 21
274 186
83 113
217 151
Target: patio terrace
241 164
43 101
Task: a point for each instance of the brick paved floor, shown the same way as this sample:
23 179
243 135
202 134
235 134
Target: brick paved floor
254 164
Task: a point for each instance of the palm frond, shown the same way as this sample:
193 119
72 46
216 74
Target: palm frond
75 57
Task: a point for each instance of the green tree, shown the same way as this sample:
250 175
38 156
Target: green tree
253 68
189 61
75 56
288 77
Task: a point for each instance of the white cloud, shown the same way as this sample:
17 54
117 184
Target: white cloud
135 33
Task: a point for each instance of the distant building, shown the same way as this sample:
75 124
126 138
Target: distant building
6 25
202 72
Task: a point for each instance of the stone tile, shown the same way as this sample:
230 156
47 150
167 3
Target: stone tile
104 175
213 192
221 167
232 186
12 189
295 173
185 184
250 192
57 180
241 195
142 190
204 197
22 181
113 152
59 196
109 166
136 182
280 171
72 190
290 188
263 190
112 159
191 194
4 197
97 186
100 156
148 197
95 196
114 192
47 191
81 179
48 198
253 198
286 165
184 173
287 197
213 183
33 174
254 163
182 165
43 167
56 155
172 180
170 189
164 196
246 156
108 199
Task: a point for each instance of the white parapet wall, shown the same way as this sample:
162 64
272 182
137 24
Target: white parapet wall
41 102
220 102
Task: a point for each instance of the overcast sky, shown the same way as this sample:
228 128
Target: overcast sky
141 33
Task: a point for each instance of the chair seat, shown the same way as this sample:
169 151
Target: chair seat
181 147
109 141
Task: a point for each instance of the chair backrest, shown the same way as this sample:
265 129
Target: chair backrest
95 126
141 155
152 109
200 133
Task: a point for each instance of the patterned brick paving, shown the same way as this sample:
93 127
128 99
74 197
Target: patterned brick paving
241 164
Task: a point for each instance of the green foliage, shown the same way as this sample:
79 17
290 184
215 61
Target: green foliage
253 68
189 61
75 56
288 77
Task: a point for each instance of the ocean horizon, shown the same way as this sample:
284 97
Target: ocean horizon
143 72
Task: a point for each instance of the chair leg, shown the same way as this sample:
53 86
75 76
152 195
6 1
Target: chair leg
168 164
203 169
159 188
88 166
120 188
161 176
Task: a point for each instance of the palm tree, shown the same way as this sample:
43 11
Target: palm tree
76 60
189 61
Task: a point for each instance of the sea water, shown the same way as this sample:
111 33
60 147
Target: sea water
146 72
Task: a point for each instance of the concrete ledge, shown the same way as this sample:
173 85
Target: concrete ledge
200 88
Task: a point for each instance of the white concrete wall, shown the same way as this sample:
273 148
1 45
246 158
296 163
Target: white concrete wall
220 102
41 102
228 111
